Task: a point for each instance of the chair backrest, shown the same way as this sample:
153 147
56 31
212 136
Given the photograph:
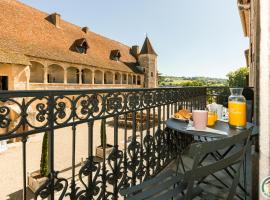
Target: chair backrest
169 184
200 151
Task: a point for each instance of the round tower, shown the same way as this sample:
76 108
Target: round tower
148 61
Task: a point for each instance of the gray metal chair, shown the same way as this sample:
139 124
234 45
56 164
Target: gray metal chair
172 185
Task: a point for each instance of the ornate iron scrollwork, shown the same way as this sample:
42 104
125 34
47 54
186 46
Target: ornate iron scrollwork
54 184
138 160
4 117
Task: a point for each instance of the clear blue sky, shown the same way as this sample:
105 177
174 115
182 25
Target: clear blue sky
191 37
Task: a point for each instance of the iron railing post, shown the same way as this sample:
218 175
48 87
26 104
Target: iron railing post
51 118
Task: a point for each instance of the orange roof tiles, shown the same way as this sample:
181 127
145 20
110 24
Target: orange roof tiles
25 30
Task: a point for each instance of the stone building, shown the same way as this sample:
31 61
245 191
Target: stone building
42 51
250 19
248 10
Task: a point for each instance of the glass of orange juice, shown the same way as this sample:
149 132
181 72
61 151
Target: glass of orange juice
212 117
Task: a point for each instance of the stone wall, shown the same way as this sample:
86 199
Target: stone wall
149 63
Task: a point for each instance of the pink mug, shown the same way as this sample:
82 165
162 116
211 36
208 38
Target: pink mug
199 119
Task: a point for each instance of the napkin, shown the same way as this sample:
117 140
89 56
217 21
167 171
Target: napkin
190 127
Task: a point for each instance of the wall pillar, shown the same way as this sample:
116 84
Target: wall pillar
127 78
65 75
121 78
80 76
135 80
93 77
45 75
103 76
113 73
27 74
264 93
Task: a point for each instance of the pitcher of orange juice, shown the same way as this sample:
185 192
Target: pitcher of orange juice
237 109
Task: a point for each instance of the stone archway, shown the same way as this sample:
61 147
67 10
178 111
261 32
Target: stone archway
139 82
134 80
36 72
124 79
108 77
55 74
129 79
86 76
117 78
98 78
73 75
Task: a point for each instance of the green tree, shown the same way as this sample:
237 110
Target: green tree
44 156
161 78
238 78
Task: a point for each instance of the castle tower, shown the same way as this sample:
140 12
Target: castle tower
148 61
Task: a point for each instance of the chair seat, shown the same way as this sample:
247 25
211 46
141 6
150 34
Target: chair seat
162 187
153 187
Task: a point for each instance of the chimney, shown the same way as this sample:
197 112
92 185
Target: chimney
135 50
55 19
85 29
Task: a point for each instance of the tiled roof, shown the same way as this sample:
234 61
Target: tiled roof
10 57
26 30
147 47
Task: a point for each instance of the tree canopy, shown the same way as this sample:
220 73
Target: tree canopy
238 78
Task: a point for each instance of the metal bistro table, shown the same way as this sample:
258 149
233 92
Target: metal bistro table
179 127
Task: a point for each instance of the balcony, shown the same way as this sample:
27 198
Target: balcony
134 119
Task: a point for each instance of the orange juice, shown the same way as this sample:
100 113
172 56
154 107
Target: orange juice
237 114
216 116
211 119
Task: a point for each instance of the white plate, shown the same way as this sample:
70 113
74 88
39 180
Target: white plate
182 120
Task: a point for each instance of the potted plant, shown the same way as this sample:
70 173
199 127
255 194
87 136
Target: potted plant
37 178
103 142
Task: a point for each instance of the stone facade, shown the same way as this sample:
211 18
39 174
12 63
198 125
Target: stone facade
44 74
55 54
149 64
249 13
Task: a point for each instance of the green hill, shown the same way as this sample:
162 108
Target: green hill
191 81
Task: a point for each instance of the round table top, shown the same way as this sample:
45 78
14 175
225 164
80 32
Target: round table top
181 126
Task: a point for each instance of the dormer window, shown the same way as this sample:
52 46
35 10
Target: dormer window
115 55
81 46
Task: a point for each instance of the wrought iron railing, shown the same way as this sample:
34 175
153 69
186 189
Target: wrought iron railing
141 145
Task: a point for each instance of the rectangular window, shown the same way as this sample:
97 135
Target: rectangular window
152 74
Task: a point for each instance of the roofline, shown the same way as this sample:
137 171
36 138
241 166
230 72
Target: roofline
243 8
79 27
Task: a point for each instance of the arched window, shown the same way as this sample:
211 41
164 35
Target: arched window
129 79
55 74
98 77
117 78
72 75
124 79
108 78
36 72
86 76
139 80
134 79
